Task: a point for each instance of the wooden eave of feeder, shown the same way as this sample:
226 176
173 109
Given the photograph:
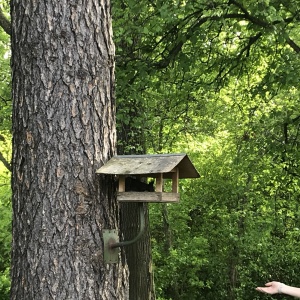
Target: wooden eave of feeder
158 166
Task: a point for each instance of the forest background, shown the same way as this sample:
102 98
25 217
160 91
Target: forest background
218 80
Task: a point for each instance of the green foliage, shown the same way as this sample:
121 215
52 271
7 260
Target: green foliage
177 262
5 150
248 217
218 80
171 67
5 236
5 77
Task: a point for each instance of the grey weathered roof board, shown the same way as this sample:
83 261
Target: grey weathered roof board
150 164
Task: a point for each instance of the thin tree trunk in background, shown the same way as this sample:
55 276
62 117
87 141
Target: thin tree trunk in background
63 131
139 254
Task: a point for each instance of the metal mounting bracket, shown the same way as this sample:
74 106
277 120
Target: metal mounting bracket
111 239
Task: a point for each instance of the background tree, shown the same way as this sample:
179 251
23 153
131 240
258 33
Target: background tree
131 140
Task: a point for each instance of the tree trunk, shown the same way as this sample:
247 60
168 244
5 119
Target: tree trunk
63 130
139 259
139 255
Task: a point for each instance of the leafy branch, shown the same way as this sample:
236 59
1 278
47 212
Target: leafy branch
2 158
5 23
5 162
200 20
265 24
293 45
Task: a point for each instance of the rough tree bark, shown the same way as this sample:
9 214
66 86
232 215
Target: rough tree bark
63 130
139 258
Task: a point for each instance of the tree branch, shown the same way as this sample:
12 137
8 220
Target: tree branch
247 16
294 46
262 23
2 158
163 63
5 162
252 40
5 23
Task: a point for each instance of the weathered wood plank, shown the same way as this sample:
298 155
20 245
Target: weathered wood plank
147 197
150 165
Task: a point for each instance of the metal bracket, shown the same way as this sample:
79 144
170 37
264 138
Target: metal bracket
111 239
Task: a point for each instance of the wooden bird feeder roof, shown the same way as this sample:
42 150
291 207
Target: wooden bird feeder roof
150 165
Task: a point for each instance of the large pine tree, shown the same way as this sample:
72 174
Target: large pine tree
63 130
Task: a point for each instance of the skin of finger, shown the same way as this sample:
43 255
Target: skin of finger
261 290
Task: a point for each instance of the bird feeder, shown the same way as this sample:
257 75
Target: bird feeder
133 172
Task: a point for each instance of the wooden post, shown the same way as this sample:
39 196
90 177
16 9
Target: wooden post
121 183
175 180
159 183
